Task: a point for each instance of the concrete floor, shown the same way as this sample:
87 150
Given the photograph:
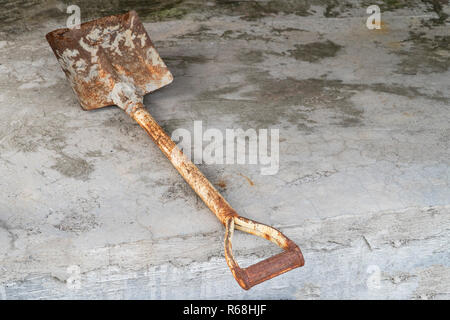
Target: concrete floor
90 208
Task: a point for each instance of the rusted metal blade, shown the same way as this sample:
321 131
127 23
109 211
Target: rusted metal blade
109 60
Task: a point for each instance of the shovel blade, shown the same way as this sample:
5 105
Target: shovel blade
103 55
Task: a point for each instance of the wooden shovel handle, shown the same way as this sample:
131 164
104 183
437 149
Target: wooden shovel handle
248 277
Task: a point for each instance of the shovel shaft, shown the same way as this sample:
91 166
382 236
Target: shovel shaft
193 176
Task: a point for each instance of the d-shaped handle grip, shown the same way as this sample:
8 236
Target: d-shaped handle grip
264 270
274 266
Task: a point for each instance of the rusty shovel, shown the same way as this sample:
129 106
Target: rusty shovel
112 61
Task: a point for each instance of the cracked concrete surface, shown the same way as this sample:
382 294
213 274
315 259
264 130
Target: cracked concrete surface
90 208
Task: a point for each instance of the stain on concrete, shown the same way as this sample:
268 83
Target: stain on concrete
243 35
24 143
315 51
167 11
228 34
205 33
180 190
436 6
286 30
337 8
77 223
250 182
250 56
280 96
254 10
174 190
390 5
115 121
177 190
290 100
312 177
434 282
124 124
179 64
73 167
8 235
331 9
28 136
94 154
405 91
34 12
309 291
425 55
202 33
19 16
216 94
222 185
23 15
149 11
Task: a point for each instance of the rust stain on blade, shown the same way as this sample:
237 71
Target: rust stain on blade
109 60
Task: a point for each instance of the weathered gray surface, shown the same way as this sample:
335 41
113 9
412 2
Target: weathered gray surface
363 185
